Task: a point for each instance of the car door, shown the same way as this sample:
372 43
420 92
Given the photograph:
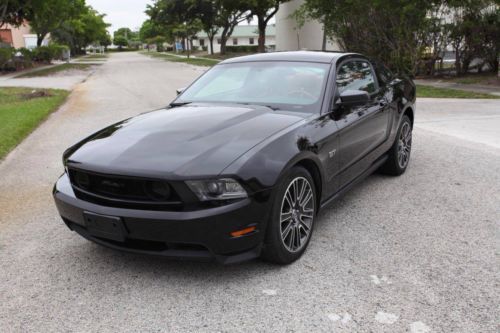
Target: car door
361 128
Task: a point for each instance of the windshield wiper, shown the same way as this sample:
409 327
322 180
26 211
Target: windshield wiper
174 104
274 108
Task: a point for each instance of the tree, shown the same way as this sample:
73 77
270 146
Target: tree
48 15
475 32
178 18
124 32
264 10
390 31
231 13
207 13
120 41
88 27
14 11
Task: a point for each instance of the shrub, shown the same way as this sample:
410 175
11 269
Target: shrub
6 56
27 54
241 48
23 58
48 53
58 50
43 54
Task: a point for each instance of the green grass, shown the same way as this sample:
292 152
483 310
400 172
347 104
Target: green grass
20 114
432 92
95 56
192 61
55 69
485 79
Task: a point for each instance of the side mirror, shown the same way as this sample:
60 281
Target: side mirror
353 98
180 91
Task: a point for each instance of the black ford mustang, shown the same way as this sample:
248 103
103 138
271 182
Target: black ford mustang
240 163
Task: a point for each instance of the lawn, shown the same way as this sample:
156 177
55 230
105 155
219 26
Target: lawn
22 110
56 69
192 61
95 56
483 78
432 92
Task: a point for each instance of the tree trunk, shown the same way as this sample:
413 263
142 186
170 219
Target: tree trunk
223 40
261 48
211 42
323 44
39 39
458 68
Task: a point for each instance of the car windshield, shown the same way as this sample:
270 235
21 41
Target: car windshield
293 86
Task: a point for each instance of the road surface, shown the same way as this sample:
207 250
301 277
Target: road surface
415 253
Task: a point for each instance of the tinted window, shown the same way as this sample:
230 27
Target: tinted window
356 75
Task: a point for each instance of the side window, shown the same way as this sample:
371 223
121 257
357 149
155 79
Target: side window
356 75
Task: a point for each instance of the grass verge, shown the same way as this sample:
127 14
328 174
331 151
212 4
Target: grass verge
95 56
55 69
191 61
22 110
433 92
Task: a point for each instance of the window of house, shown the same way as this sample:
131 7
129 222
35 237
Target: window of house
251 41
235 41
202 42
356 75
218 41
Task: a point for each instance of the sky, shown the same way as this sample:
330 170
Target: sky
121 13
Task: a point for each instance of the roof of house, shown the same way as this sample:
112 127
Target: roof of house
243 31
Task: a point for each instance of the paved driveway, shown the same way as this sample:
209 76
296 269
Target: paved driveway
414 253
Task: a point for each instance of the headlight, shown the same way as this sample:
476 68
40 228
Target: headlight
219 189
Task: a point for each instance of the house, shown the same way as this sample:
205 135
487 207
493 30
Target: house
289 37
242 35
21 36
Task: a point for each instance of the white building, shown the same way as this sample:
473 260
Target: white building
242 35
289 37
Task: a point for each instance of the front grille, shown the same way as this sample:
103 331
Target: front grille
124 191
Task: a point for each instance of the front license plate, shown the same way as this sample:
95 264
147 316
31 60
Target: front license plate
103 226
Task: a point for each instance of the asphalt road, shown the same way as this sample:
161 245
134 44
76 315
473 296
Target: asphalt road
418 253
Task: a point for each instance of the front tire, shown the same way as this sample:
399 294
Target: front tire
291 223
399 154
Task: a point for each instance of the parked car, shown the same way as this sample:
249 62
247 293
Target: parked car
240 163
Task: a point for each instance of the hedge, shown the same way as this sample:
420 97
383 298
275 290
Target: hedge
241 48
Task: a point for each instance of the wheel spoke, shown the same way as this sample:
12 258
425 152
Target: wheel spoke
287 230
307 198
285 216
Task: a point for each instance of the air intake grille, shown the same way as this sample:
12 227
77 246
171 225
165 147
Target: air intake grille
123 191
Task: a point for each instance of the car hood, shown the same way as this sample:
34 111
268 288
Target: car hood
193 140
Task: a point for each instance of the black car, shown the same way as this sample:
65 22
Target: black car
240 163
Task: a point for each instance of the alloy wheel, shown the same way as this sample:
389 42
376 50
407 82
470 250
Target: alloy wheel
404 146
297 214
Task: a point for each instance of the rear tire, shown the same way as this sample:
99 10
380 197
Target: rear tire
292 218
399 154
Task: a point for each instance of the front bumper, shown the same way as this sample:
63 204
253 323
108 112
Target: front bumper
196 235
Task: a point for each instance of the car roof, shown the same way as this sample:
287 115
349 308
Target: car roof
307 56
